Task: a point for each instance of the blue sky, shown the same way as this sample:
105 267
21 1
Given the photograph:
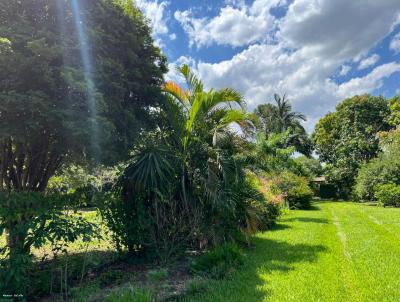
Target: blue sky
316 51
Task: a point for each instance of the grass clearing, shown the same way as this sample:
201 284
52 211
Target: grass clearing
340 251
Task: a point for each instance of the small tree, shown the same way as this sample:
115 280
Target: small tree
32 219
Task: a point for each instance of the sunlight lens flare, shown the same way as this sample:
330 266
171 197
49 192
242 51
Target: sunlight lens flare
88 74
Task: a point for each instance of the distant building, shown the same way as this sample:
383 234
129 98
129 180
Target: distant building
322 188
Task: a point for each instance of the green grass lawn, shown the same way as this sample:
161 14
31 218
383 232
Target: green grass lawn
338 251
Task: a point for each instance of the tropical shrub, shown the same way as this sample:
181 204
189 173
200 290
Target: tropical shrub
381 170
128 221
377 172
242 210
218 262
32 220
184 185
270 207
294 189
388 195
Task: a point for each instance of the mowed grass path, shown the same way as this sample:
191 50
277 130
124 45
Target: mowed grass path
339 251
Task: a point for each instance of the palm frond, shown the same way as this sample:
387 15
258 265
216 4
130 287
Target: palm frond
193 113
192 81
176 91
150 169
230 95
236 116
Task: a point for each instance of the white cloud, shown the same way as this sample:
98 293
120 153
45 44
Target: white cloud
369 82
339 29
307 85
344 70
236 25
395 43
368 62
155 12
313 40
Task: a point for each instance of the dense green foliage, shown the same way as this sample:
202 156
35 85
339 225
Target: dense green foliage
394 118
347 137
388 194
59 104
33 220
383 169
308 167
293 188
184 185
50 113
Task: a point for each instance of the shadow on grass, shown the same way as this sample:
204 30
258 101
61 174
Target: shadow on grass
307 219
250 282
313 207
279 227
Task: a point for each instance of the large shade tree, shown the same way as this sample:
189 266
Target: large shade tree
346 138
79 81
60 102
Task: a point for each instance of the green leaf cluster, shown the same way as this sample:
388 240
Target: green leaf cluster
346 138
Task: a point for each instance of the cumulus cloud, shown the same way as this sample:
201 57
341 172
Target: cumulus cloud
309 87
236 25
368 62
395 43
313 40
156 12
369 82
338 29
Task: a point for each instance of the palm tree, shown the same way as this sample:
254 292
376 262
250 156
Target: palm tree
213 110
285 116
202 106
279 118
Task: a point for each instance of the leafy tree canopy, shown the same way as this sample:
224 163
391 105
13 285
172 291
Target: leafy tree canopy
45 113
395 111
348 137
309 166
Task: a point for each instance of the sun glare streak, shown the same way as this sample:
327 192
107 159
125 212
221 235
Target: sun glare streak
84 48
